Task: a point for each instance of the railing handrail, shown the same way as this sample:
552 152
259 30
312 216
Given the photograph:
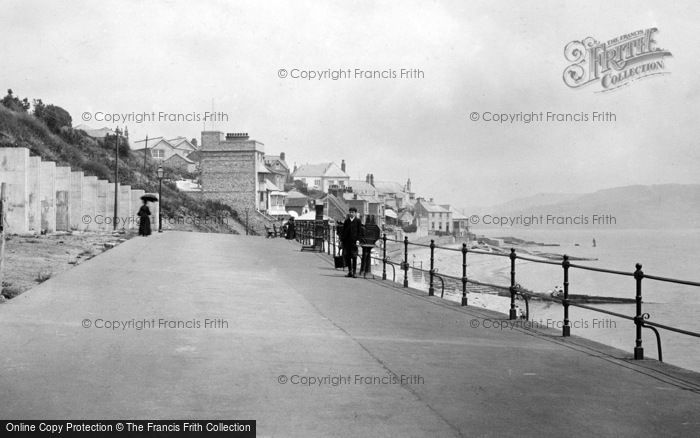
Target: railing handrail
550 262
641 320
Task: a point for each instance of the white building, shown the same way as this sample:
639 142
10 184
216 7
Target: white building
321 176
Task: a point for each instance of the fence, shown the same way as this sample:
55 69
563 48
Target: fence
309 234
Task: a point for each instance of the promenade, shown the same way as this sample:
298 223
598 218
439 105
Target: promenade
289 317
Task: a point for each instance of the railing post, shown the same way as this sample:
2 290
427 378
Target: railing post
638 319
431 289
384 258
566 330
333 232
513 313
464 274
405 261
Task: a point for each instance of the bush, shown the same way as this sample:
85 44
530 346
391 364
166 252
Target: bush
96 169
410 228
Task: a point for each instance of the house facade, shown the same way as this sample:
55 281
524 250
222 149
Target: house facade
437 218
321 176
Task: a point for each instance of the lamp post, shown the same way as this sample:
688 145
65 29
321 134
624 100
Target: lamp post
160 197
246 221
116 179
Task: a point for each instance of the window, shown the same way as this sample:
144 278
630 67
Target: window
158 153
317 182
433 225
440 226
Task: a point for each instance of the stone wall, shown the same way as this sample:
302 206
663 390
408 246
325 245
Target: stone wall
41 197
230 166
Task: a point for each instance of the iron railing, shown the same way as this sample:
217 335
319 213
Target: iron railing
306 234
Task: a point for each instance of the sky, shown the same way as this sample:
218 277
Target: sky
179 57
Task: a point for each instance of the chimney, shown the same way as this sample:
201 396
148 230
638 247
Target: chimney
282 156
342 165
371 179
367 178
431 200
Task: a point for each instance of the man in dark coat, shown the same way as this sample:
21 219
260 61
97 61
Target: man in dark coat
371 235
352 233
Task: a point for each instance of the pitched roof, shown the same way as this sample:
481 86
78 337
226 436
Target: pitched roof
262 169
320 169
296 194
433 208
388 187
182 143
160 142
456 215
312 169
269 186
295 201
179 157
272 158
362 187
195 155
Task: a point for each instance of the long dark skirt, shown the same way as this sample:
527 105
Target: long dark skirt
145 226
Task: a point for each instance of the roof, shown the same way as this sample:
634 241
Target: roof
159 142
180 157
362 187
296 194
182 142
321 169
389 187
271 158
370 199
433 208
456 215
262 169
293 201
195 155
269 186
95 133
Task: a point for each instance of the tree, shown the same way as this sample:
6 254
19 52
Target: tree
14 104
54 116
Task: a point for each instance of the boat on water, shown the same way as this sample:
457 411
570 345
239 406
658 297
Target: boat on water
591 299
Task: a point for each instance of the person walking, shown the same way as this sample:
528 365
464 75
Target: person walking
291 231
370 236
352 233
144 219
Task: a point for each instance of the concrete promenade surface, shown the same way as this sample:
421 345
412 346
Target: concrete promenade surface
289 317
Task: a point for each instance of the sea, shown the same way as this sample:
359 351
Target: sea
665 253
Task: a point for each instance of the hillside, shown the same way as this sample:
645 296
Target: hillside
639 206
69 147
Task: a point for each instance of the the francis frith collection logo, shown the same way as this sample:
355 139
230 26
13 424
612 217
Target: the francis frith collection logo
616 62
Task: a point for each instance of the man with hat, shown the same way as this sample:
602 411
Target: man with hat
352 233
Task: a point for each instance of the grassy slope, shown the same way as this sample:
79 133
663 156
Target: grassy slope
94 157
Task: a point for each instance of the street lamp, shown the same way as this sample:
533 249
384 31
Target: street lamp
160 197
246 221
116 179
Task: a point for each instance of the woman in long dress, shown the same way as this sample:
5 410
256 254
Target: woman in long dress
144 220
